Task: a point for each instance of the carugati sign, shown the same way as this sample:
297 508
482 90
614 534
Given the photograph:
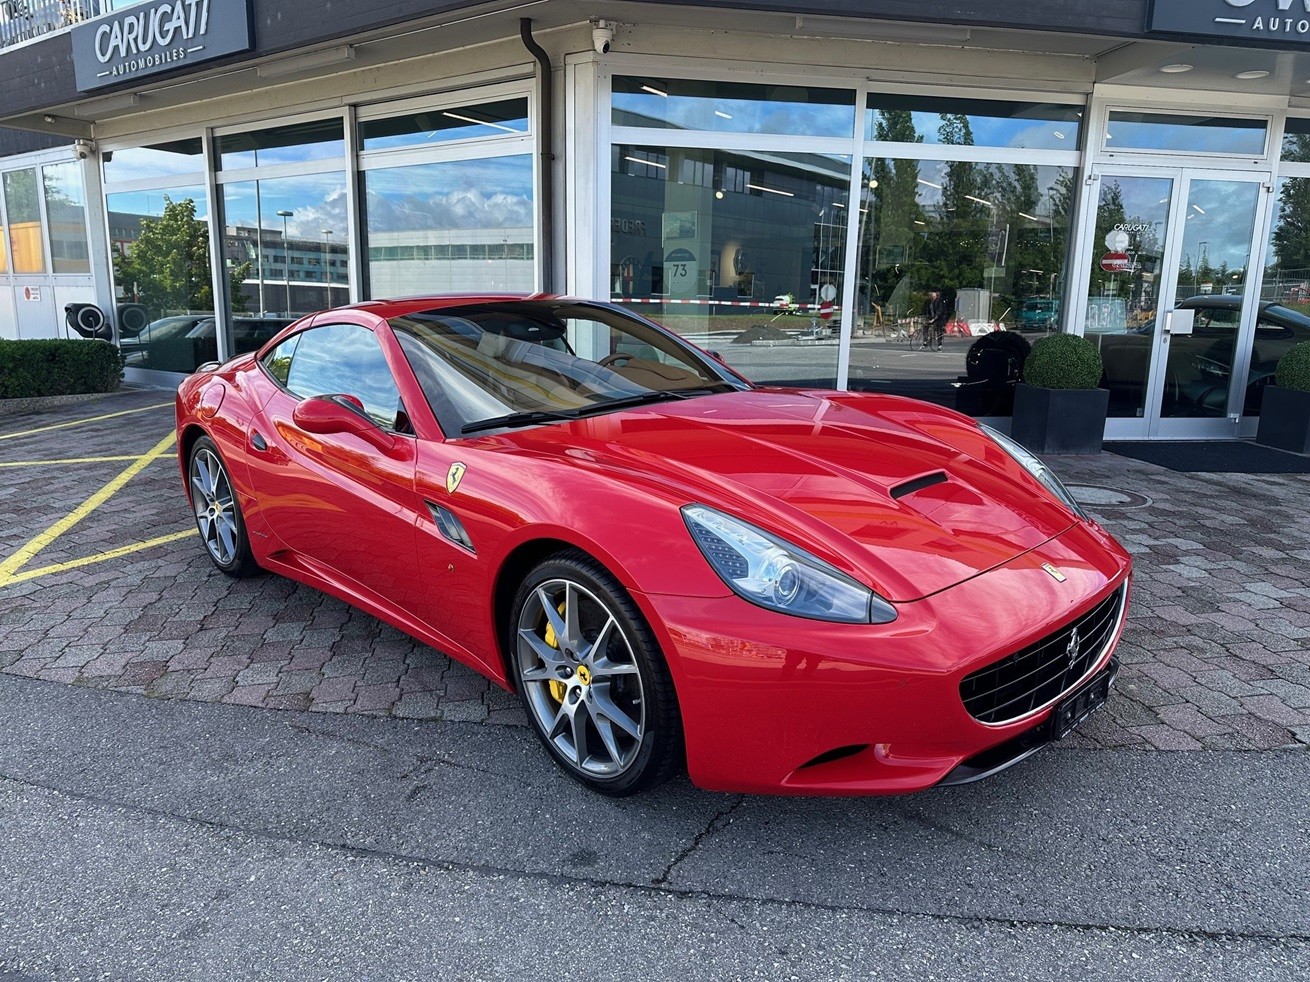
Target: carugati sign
148 38
1282 22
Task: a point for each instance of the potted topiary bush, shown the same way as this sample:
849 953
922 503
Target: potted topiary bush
1059 406
1285 411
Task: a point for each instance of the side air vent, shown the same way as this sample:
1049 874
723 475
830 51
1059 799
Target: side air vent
451 527
918 484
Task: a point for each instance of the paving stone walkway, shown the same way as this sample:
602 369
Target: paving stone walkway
1216 653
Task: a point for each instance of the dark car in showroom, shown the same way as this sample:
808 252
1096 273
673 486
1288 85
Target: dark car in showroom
1200 364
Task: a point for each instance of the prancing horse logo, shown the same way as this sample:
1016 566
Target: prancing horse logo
1071 652
454 476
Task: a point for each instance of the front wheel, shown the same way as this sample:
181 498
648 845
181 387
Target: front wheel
592 679
218 514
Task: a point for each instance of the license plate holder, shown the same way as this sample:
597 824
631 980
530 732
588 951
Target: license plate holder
1074 709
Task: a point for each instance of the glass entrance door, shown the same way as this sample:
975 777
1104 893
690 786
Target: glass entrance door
1171 298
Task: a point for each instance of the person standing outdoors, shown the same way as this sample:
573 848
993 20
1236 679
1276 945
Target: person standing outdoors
936 312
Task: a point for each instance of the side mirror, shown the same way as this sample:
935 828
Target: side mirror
340 414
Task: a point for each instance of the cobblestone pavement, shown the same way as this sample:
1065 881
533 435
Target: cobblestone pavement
1216 654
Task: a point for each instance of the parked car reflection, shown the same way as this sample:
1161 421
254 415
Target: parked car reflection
181 343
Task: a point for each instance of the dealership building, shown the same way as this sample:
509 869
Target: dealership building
781 182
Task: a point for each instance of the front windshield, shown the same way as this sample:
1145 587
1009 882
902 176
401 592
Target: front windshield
527 361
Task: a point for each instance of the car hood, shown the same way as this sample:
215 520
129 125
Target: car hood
907 497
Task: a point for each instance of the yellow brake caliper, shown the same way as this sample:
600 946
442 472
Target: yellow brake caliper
556 686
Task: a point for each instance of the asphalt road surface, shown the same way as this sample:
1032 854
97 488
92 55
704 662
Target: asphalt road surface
157 839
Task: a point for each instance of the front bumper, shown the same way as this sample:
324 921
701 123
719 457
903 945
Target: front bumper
776 704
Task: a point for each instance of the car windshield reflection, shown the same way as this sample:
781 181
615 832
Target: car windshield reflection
520 363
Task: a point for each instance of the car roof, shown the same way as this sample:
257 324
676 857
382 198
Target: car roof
1230 302
404 306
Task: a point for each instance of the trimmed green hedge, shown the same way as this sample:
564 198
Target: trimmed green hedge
1294 368
31 369
1063 361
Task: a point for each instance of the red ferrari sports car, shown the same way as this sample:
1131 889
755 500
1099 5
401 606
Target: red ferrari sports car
791 591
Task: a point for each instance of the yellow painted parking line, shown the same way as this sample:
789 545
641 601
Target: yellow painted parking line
79 422
78 460
100 557
10 566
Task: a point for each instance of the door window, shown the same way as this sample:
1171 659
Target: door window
339 359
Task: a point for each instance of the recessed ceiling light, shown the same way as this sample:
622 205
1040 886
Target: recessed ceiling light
1250 76
1176 69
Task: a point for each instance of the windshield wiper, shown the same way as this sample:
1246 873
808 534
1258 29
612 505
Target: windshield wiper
659 395
527 418
533 416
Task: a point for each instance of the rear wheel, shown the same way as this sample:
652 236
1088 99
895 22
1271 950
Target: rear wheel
218 515
592 679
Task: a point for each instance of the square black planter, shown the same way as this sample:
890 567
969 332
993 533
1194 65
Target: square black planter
1068 421
1285 420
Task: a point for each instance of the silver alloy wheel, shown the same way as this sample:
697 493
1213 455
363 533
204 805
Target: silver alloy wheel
579 672
211 497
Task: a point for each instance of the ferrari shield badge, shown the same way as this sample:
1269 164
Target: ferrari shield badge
1055 573
454 476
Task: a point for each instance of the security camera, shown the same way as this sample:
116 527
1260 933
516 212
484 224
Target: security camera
83 148
602 37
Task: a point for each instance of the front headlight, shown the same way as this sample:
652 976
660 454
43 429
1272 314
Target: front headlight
1037 469
767 571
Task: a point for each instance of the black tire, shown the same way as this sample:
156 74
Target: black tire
218 512
559 678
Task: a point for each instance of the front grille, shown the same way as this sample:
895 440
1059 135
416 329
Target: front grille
1015 686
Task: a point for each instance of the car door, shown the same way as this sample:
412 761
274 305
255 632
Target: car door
338 504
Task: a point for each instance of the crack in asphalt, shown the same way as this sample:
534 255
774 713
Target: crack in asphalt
423 763
662 889
720 818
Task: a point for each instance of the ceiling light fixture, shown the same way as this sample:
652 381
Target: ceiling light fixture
648 163
482 122
761 187
1198 209
107 106
929 184
654 91
1176 69
722 115
309 61
1251 76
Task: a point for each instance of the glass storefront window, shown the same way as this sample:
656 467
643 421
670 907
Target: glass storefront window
24 210
436 126
1296 141
732 107
286 251
65 209
160 246
1285 308
1178 133
296 143
972 122
452 226
177 157
740 252
992 240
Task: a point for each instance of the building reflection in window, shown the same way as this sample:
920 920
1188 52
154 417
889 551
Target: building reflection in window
456 226
991 239
285 249
740 252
